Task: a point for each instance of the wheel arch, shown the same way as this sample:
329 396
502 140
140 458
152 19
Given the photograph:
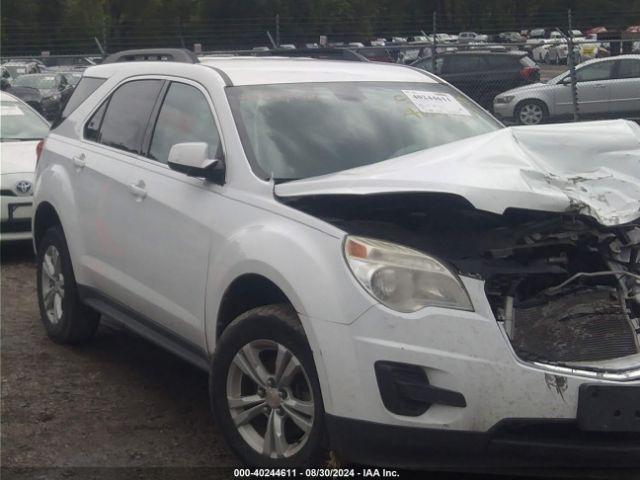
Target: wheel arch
539 101
44 218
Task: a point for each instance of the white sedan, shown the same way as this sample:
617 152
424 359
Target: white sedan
21 128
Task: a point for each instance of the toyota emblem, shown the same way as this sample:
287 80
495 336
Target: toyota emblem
23 187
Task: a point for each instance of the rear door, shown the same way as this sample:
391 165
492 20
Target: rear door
102 167
169 237
625 88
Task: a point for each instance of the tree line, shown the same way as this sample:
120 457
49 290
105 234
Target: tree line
76 26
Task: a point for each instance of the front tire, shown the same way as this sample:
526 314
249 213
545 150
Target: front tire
65 318
265 393
531 112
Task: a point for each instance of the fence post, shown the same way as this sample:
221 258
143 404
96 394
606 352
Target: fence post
278 29
572 68
434 44
104 34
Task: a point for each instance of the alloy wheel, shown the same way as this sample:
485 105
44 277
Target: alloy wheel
270 398
531 114
52 284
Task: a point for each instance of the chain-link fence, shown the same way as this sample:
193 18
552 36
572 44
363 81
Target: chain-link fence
542 75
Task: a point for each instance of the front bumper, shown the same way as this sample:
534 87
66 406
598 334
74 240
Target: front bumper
463 352
16 209
504 110
510 445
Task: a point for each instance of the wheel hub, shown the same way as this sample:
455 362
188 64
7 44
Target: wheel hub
272 398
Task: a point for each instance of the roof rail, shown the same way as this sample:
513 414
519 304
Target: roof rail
153 55
320 53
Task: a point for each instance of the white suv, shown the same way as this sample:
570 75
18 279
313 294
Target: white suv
362 258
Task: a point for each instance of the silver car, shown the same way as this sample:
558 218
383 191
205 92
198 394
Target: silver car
606 87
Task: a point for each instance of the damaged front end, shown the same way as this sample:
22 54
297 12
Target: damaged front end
565 288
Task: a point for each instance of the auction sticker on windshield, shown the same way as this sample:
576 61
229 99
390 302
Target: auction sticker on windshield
434 102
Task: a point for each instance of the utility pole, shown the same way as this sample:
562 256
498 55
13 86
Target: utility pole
278 29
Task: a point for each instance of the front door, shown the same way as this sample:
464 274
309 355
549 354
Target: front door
169 240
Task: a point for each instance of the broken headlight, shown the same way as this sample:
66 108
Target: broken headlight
404 279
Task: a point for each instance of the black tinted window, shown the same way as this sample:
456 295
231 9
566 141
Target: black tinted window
502 61
629 69
464 63
127 115
185 116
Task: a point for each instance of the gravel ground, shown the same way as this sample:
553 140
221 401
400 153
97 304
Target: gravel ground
118 401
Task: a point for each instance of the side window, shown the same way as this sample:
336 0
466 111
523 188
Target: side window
596 72
185 116
465 64
92 127
127 115
629 69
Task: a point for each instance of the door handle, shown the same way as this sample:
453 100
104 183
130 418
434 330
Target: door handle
138 191
79 161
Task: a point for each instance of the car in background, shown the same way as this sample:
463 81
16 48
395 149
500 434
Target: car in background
21 128
73 77
377 54
17 68
510 37
46 92
483 75
466 37
606 87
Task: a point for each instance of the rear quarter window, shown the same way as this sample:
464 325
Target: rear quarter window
83 90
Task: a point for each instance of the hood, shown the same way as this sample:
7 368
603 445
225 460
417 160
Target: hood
592 168
531 86
18 157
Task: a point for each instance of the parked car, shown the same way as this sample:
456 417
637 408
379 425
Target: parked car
606 87
466 37
17 68
21 128
73 76
511 37
46 92
483 75
360 257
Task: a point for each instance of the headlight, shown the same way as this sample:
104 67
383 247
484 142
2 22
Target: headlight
505 99
404 279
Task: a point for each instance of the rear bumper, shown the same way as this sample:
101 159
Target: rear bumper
510 444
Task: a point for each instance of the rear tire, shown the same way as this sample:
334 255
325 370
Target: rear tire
65 318
265 393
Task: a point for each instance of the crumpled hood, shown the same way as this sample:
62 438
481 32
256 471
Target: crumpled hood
18 157
590 167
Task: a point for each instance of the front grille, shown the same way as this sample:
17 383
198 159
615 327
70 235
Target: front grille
589 324
15 226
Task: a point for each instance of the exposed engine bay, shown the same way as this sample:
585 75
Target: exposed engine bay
565 288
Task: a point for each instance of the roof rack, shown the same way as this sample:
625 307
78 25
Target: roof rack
180 55
320 53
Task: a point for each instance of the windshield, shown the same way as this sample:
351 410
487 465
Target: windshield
19 122
41 82
295 131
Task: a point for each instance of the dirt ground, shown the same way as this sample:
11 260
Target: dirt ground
118 401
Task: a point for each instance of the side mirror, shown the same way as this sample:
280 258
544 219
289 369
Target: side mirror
566 80
193 160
